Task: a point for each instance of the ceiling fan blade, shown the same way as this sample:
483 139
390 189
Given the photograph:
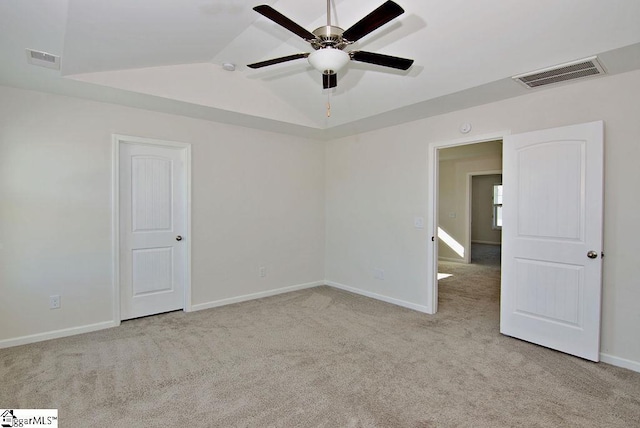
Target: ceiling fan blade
380 59
283 21
329 80
278 60
383 14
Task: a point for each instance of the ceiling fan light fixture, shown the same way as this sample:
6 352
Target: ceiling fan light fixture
329 60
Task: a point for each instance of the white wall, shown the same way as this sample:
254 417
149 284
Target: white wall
376 185
258 200
378 181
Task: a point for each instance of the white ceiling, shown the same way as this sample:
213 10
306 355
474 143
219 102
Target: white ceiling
166 55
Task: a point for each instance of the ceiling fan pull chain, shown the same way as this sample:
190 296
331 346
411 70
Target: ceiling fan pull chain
328 104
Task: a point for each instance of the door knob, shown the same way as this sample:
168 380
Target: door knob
179 238
592 254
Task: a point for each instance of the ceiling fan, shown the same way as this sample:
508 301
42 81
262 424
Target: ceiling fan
330 41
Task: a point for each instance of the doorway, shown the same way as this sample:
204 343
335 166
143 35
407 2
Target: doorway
486 217
551 282
449 235
469 235
151 227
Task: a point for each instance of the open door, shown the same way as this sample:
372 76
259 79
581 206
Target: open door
552 238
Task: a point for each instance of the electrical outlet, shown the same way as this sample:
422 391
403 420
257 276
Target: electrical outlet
263 271
378 273
54 302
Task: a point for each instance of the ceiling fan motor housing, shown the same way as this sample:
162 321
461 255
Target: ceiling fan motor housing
328 36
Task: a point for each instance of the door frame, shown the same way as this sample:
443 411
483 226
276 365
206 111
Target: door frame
117 141
432 207
468 208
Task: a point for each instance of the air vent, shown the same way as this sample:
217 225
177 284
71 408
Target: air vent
43 59
561 73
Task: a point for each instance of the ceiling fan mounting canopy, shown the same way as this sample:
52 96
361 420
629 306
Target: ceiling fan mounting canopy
330 41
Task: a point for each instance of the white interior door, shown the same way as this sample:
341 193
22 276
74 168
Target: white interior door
153 207
552 238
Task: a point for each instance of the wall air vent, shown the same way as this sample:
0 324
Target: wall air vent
561 73
43 59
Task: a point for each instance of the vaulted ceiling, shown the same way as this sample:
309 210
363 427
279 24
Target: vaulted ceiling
167 55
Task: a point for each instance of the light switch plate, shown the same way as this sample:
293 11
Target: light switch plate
418 222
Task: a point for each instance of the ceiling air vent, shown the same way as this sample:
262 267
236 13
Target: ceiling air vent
43 59
561 73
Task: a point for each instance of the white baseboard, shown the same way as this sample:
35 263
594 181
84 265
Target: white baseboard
56 334
398 302
253 296
620 362
486 242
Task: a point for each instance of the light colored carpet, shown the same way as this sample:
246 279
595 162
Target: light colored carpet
320 357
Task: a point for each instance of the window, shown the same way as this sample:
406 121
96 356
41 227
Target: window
497 206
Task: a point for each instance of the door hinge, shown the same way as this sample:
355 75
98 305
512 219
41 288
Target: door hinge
433 239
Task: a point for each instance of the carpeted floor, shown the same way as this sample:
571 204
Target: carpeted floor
486 254
320 357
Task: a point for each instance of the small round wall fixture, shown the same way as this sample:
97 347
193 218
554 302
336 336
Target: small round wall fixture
465 128
229 66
